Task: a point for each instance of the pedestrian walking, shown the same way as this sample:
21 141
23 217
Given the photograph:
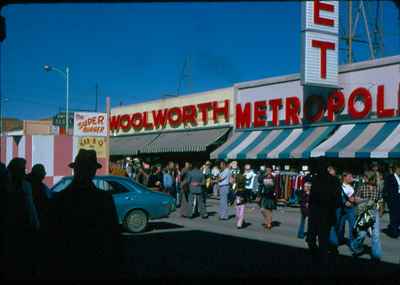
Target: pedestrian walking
267 196
184 197
348 209
391 192
196 182
214 179
235 170
20 224
156 178
322 209
304 208
224 180
169 180
206 169
368 198
84 232
241 198
178 182
250 177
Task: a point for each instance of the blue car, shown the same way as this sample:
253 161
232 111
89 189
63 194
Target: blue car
135 203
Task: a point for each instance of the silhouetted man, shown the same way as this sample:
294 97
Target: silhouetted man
20 223
84 227
40 191
323 203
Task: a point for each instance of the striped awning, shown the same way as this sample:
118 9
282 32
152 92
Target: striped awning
185 141
130 145
363 140
273 144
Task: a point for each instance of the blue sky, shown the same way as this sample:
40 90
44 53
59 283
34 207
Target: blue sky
135 52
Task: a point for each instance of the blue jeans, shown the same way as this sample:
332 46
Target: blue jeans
223 202
333 235
349 215
300 232
178 194
358 241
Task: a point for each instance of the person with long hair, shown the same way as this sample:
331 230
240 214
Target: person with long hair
267 195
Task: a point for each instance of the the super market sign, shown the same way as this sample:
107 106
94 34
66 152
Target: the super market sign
90 124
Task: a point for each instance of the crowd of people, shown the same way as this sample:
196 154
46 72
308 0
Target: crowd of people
328 201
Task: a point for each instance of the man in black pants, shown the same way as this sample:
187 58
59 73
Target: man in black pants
323 203
391 193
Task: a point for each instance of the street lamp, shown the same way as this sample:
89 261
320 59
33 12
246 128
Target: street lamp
1 114
65 74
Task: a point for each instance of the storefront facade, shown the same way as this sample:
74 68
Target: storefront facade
276 119
173 128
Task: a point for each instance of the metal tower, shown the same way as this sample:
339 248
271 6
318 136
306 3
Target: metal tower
364 27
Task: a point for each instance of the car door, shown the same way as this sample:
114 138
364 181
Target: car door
123 198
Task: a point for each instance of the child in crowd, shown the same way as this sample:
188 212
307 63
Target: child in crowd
304 207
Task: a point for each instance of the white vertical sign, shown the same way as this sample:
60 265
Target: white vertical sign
320 43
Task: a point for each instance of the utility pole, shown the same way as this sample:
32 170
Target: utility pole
350 33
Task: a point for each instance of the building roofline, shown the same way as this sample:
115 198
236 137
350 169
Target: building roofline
169 98
380 62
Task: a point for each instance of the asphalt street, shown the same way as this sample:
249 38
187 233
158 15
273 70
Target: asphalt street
209 247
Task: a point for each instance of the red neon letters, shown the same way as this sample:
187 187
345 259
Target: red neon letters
318 6
292 111
260 113
380 107
360 93
324 46
334 105
243 117
175 117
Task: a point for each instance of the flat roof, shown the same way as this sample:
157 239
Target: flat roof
344 68
186 96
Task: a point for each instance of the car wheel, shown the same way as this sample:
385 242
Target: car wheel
136 221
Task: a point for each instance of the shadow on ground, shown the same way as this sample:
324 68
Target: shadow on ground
199 254
162 226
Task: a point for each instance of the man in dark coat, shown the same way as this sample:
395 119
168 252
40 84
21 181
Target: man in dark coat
322 209
40 191
84 229
391 193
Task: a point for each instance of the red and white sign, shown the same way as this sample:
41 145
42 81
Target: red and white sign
359 104
320 43
174 116
90 124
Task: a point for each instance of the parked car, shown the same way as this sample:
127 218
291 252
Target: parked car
135 203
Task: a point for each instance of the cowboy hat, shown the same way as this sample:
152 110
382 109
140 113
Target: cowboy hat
85 157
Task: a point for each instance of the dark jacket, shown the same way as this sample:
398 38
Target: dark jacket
305 199
391 190
40 193
84 233
324 199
